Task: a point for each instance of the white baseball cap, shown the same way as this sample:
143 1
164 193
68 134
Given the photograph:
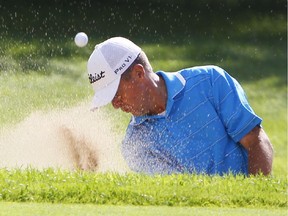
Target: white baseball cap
108 61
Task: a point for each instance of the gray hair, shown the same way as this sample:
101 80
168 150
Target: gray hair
141 59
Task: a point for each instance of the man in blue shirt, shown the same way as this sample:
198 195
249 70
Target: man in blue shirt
196 120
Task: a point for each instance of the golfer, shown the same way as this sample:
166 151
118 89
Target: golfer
195 120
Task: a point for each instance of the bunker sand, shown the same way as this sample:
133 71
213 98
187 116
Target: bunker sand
71 139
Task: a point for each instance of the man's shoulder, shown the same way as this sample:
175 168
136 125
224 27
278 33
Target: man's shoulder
200 70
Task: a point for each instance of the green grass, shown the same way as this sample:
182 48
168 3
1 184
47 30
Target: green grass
58 186
45 209
22 94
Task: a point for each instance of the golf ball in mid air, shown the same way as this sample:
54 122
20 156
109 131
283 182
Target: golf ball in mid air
81 39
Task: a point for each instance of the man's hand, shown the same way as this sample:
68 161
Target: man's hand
260 151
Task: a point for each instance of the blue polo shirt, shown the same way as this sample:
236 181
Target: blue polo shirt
206 115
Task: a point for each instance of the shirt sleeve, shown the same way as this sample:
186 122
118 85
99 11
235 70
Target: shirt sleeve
232 105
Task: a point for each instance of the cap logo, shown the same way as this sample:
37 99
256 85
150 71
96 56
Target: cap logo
123 65
96 77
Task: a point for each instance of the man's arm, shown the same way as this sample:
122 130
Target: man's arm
260 151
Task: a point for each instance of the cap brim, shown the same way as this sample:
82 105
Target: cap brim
104 96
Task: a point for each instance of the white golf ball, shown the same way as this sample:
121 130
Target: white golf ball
81 39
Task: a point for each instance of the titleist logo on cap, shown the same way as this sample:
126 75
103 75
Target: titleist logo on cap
96 77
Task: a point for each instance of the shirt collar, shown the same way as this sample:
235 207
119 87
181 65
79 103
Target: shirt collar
175 82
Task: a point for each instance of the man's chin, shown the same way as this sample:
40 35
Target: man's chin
137 114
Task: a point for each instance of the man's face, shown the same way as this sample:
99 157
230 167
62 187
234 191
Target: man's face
132 95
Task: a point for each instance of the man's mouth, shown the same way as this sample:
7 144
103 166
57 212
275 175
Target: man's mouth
126 109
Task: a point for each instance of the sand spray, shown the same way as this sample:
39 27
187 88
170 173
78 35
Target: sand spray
73 138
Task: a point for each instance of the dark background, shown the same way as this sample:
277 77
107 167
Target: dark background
147 21
211 31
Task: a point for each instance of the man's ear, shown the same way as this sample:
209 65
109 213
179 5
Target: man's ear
138 71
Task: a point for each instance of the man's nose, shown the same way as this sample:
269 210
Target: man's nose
116 102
